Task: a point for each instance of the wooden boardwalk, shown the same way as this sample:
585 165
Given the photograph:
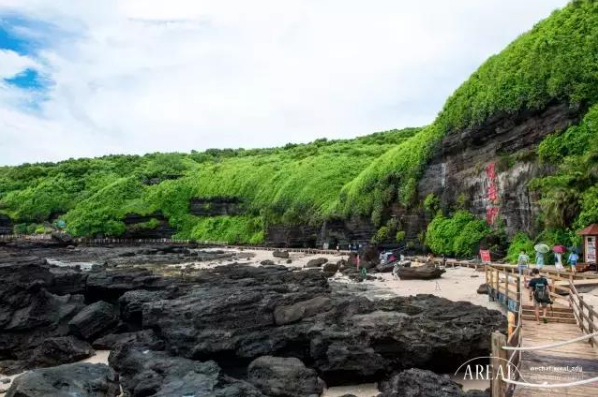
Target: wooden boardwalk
568 318
557 364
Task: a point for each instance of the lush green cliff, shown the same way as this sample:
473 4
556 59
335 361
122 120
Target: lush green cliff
557 61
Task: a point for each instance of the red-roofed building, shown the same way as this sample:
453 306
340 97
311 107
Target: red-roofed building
590 239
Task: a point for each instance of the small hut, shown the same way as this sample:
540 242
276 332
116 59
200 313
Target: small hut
590 239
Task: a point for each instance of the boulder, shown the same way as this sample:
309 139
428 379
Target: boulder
284 377
59 350
267 262
317 262
280 254
63 239
483 289
93 320
424 272
421 383
385 267
81 380
330 269
147 372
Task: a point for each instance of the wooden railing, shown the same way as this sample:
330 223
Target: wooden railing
585 315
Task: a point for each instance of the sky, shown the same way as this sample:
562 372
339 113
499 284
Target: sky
85 78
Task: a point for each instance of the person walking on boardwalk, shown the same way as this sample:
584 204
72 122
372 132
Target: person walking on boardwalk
522 262
573 258
539 260
539 292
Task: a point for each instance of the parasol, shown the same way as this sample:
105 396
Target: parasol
559 249
542 248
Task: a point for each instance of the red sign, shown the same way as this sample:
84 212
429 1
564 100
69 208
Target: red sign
485 255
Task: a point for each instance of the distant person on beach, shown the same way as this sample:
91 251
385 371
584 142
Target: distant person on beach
539 292
522 262
539 260
430 259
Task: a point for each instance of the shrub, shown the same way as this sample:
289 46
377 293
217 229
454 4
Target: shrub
457 235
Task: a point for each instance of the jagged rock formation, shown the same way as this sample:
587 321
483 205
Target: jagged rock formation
6 224
246 312
284 377
420 383
82 380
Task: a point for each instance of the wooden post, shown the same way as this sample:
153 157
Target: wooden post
581 318
506 288
499 364
591 324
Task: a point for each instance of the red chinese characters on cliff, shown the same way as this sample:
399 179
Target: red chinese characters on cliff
492 194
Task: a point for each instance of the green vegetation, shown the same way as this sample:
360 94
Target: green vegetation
308 183
556 60
458 235
569 197
296 183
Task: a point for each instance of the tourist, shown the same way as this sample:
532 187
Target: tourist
573 259
539 292
522 262
558 262
539 260
430 259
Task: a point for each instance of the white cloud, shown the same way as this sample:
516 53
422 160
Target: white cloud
135 76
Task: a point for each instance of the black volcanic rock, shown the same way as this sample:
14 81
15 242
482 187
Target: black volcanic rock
420 383
81 380
317 262
93 320
59 350
284 377
424 272
29 313
145 371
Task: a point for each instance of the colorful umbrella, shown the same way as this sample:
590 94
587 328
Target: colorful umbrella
559 249
543 248
575 249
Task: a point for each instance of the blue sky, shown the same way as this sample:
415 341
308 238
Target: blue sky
88 78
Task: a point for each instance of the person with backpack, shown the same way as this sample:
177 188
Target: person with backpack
540 293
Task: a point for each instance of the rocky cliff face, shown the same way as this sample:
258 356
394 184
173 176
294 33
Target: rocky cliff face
216 206
331 232
137 226
5 224
491 164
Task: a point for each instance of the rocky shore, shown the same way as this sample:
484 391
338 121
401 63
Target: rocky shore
227 330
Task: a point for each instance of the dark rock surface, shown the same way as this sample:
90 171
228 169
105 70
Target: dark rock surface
231 315
136 226
280 254
147 371
420 383
330 268
317 262
6 224
59 350
81 380
267 262
424 272
284 377
93 320
483 289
